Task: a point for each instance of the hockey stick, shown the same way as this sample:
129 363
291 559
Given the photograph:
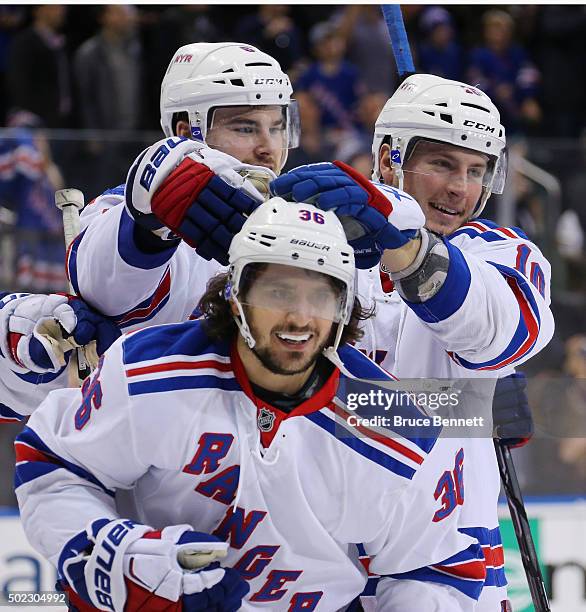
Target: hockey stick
399 42
70 202
521 526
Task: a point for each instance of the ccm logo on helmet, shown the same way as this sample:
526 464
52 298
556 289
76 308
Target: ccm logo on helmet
478 126
312 245
270 81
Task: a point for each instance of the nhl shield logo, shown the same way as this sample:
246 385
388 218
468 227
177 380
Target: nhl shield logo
265 419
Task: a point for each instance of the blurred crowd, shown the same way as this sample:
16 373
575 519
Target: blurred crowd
79 99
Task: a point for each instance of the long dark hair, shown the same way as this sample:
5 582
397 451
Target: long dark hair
219 321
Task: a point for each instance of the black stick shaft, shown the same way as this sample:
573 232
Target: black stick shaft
521 526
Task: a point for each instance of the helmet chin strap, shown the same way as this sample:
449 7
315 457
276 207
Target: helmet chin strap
331 352
399 175
242 325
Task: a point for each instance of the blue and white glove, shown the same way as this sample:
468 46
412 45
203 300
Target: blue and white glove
511 414
375 217
126 567
38 331
199 193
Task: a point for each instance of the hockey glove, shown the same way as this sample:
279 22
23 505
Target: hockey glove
124 566
511 414
198 193
37 331
375 217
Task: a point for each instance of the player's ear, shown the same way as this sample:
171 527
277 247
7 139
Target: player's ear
384 165
182 129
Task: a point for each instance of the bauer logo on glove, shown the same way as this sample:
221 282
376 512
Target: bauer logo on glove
181 187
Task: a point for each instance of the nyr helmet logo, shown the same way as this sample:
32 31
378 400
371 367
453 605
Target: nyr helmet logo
265 420
184 58
472 90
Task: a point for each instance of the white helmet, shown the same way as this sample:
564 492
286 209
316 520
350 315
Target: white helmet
293 234
433 108
201 76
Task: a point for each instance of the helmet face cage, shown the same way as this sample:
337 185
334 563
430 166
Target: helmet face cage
438 110
289 131
492 178
281 232
203 76
324 297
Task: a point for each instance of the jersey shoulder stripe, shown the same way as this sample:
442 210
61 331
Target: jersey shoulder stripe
187 339
34 459
489 231
366 370
413 448
360 366
384 459
177 356
183 382
149 307
527 330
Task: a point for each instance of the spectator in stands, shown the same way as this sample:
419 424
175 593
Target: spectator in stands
28 180
272 30
572 447
11 18
558 401
560 43
329 90
439 52
108 74
38 78
366 37
504 71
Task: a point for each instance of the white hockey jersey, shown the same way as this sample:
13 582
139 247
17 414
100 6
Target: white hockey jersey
137 289
491 315
110 273
171 418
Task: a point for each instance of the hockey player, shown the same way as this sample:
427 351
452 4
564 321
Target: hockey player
37 334
146 252
224 432
462 297
127 263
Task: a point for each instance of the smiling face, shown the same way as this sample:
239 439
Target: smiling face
253 135
445 179
290 312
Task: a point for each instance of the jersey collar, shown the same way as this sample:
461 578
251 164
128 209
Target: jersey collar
316 402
